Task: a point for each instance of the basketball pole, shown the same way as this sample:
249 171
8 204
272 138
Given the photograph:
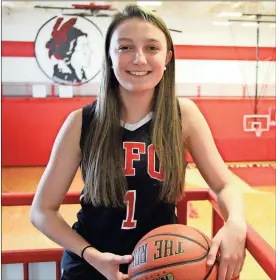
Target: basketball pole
257 66
258 21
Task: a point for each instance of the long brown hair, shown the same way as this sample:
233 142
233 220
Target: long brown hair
103 158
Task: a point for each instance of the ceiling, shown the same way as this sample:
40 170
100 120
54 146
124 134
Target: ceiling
189 9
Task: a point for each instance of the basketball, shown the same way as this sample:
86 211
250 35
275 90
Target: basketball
172 252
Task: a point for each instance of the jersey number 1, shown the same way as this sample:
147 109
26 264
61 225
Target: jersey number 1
130 200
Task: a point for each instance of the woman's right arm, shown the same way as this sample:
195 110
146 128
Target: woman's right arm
54 184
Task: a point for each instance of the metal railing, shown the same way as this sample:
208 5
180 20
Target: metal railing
261 251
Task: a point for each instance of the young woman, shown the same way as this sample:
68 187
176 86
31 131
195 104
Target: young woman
130 144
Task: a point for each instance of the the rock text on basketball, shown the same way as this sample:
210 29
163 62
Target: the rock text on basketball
167 248
140 255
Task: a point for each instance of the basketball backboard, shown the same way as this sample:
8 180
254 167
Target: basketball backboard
256 123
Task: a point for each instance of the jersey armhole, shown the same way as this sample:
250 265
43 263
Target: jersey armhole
179 110
87 117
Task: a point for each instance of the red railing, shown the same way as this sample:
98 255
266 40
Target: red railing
261 251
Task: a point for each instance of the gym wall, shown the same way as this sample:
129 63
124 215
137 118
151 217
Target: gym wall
216 68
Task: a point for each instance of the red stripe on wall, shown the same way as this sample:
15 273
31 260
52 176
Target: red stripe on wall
26 49
17 49
29 142
224 53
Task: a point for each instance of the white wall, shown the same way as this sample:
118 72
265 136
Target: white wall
23 26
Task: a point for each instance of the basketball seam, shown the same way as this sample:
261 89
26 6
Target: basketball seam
204 238
178 235
167 265
216 262
210 271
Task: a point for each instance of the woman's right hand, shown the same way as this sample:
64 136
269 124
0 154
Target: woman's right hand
108 264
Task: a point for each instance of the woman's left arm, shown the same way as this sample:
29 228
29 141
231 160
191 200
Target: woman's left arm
230 239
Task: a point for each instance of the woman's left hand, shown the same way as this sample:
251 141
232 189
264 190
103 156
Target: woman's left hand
230 240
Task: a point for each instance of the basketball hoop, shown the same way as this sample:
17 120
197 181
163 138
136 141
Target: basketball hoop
256 123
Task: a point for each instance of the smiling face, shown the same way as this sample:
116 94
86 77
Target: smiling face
138 51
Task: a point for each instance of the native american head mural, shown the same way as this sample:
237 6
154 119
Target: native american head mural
69 50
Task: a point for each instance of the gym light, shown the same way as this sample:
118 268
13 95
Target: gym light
229 14
237 4
149 3
222 23
250 24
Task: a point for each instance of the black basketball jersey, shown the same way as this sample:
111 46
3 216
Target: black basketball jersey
117 230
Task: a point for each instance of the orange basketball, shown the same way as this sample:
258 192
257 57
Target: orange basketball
172 252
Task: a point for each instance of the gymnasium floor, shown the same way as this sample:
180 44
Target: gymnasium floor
259 201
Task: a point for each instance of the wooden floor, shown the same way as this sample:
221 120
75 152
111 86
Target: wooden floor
260 213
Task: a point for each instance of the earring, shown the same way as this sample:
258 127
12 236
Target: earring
165 68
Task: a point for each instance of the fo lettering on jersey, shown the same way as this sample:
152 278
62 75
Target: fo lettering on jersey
133 152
